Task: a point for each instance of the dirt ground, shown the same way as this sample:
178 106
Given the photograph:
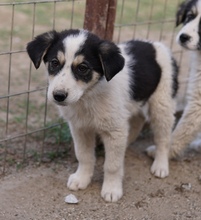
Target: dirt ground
38 192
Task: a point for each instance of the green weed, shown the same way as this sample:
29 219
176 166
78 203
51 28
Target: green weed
60 133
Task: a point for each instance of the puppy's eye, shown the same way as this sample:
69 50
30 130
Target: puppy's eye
82 68
190 17
54 63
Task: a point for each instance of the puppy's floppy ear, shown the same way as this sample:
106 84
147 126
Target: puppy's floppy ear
181 13
111 59
39 45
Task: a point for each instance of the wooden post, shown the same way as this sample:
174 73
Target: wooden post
100 17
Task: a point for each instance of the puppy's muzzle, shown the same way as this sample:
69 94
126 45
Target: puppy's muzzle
184 38
60 95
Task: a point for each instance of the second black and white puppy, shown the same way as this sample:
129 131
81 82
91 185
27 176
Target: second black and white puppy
189 37
108 89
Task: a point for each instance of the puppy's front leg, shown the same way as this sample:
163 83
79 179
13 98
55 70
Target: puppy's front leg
187 128
84 143
115 145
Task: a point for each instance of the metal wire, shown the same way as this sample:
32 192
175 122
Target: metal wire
136 17
35 2
9 133
150 18
28 88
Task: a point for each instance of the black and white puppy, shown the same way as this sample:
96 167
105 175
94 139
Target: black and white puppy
108 89
189 37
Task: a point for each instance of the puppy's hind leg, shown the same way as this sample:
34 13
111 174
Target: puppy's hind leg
162 121
185 131
84 143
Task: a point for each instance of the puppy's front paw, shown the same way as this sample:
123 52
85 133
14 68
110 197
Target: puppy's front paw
111 192
160 168
151 151
77 181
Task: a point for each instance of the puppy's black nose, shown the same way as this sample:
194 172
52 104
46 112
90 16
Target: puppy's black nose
184 38
60 96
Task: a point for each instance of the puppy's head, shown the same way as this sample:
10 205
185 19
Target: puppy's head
76 60
189 14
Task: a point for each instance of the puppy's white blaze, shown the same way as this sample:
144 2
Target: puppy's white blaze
72 44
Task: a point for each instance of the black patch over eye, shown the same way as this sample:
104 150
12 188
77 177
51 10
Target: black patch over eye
54 66
189 17
82 72
82 68
54 63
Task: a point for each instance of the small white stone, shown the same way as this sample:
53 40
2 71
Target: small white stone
71 199
186 186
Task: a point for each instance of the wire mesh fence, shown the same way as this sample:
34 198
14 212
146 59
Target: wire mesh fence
30 128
